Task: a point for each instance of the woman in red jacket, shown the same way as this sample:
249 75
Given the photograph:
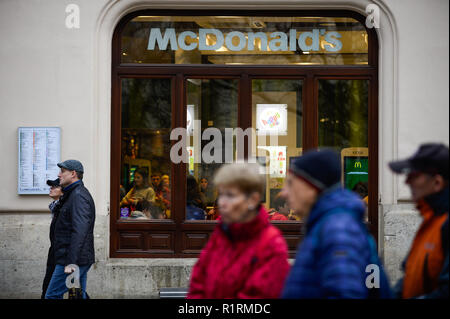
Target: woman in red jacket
245 257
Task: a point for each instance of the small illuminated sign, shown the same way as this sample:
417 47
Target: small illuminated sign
356 169
271 119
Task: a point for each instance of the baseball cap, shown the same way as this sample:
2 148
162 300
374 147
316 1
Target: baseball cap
53 182
72 165
430 158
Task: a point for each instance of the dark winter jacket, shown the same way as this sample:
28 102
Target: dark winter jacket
240 261
74 227
53 206
331 261
51 251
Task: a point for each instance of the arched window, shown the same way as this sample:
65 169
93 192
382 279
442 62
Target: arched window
308 78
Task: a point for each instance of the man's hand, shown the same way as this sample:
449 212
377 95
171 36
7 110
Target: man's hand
69 269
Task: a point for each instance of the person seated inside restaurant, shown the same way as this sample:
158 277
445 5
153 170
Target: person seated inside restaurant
280 210
195 205
213 214
123 192
147 210
140 211
140 190
362 189
165 179
207 190
162 192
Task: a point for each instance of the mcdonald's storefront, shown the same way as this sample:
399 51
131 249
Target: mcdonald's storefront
309 80
298 77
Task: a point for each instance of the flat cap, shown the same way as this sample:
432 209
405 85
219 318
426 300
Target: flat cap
72 165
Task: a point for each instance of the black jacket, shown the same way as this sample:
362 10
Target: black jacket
51 252
74 227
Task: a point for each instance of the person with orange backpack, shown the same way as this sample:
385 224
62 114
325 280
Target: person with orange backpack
426 266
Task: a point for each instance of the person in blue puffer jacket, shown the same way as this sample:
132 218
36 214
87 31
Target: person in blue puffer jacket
333 258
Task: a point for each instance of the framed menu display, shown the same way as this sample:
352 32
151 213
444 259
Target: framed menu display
39 153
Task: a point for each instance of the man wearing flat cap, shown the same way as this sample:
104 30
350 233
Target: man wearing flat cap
426 266
73 230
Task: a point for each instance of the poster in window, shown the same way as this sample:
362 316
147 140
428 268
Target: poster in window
277 160
190 150
39 152
271 119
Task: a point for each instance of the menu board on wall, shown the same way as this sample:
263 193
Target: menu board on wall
39 154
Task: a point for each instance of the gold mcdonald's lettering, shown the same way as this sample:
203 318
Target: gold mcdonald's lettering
358 165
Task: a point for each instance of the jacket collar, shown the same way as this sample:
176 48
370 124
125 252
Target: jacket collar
243 231
333 198
438 202
68 189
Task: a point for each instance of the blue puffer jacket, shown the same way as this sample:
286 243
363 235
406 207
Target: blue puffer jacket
331 260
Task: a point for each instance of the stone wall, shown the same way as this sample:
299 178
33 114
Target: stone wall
23 252
400 225
24 245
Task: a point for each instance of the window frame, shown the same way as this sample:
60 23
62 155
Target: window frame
177 237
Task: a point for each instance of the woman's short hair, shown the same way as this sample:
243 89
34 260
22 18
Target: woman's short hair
245 176
144 173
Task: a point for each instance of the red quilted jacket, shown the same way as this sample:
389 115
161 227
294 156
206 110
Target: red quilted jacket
241 261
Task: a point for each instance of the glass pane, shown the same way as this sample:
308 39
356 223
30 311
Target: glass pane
213 102
244 40
145 155
343 126
277 116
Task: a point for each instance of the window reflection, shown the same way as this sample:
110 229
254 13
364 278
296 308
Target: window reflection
214 103
343 126
277 112
145 161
